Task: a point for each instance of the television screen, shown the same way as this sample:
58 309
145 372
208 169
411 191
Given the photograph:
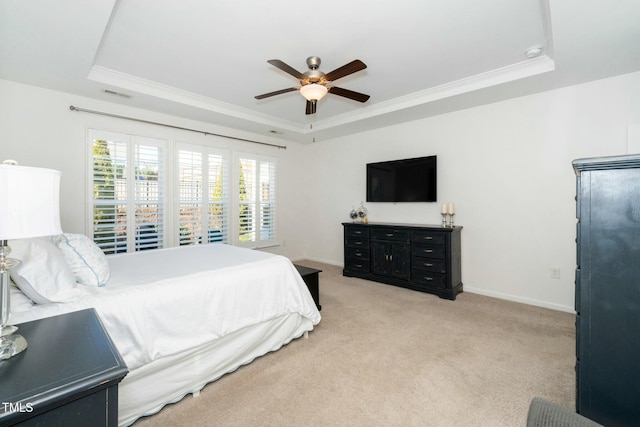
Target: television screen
408 180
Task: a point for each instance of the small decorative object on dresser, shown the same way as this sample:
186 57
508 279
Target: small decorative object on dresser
353 214
68 377
424 258
362 213
448 212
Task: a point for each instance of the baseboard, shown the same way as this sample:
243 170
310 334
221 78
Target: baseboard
529 301
472 290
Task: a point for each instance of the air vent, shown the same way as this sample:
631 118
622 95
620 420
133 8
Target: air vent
113 92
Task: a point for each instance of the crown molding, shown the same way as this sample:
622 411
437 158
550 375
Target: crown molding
148 87
520 70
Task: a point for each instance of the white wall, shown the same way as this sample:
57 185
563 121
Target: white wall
38 129
506 166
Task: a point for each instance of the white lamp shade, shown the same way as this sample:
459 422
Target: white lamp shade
29 202
313 91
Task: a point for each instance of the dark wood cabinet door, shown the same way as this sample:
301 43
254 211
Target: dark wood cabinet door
399 263
379 257
391 259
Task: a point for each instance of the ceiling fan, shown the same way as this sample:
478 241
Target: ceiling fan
314 83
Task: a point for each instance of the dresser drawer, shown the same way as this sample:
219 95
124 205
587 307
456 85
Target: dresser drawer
428 236
430 251
429 264
357 266
356 253
357 231
357 242
433 280
393 234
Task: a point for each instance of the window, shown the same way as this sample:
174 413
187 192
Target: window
148 193
256 200
203 195
127 184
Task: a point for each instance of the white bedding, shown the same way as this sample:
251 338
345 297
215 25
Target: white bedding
160 303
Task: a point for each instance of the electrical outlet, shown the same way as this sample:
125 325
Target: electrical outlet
555 272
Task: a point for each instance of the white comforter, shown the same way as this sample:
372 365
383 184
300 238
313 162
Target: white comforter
162 302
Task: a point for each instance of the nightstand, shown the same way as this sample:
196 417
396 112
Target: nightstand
310 277
68 375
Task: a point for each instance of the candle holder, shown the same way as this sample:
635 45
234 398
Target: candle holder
447 213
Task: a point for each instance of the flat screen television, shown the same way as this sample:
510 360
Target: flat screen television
407 180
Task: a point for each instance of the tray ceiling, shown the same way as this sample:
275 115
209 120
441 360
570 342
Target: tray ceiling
207 60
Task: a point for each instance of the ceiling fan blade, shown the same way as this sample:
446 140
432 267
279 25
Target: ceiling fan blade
286 68
356 96
345 70
311 107
277 92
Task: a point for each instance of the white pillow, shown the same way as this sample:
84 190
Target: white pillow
87 261
18 301
43 274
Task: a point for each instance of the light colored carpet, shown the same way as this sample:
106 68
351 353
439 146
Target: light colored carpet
387 356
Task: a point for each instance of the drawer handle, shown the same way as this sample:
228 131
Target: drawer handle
428 238
358 265
357 232
428 251
358 243
428 264
429 279
358 254
389 234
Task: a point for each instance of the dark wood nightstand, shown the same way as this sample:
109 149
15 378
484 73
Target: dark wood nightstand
67 376
310 277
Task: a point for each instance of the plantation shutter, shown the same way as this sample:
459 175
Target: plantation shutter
267 201
203 195
218 191
247 201
110 197
127 177
149 193
256 200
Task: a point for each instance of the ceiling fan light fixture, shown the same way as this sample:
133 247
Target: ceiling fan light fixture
313 91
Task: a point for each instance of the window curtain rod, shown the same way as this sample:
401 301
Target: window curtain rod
84 110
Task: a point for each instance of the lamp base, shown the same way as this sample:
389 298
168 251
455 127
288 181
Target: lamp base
7 330
10 345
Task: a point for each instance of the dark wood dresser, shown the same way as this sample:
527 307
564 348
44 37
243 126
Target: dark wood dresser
67 376
607 292
424 258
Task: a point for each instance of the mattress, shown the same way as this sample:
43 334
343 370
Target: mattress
164 302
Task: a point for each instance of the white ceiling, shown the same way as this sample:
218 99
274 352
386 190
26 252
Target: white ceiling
206 60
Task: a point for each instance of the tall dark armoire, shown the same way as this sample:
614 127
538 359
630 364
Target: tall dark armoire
608 290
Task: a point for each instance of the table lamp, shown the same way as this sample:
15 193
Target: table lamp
29 207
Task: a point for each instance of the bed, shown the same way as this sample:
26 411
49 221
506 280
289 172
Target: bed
180 317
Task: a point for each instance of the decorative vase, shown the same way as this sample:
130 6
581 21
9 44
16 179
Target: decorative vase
353 214
362 213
